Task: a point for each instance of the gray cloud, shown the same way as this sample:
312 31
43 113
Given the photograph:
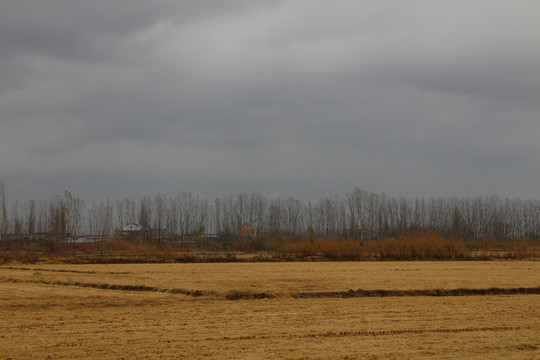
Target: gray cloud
299 97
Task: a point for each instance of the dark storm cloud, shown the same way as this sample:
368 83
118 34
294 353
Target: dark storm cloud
415 98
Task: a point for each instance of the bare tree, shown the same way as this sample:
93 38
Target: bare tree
130 211
93 219
229 220
17 224
106 216
160 207
74 209
172 217
275 215
240 210
145 211
42 218
100 219
120 213
258 205
218 216
293 215
57 223
5 224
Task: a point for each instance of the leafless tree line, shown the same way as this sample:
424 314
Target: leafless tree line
357 215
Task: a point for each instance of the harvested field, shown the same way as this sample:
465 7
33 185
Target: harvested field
187 311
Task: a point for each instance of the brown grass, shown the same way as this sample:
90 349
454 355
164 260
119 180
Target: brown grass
183 311
279 247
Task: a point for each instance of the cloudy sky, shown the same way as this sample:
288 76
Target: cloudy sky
303 97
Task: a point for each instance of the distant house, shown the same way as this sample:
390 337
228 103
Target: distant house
133 231
247 231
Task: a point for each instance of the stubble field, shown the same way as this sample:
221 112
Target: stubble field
141 311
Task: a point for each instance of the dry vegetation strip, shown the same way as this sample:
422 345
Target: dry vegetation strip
411 245
289 278
241 295
420 292
53 270
332 334
269 280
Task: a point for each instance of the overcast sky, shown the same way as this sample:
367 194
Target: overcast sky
306 98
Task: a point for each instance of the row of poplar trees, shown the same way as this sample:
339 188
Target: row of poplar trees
356 215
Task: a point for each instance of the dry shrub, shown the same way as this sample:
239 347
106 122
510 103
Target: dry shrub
294 247
6 255
307 248
143 249
421 246
341 249
52 249
506 248
456 247
300 247
167 253
28 254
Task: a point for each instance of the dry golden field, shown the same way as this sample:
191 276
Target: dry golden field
140 311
